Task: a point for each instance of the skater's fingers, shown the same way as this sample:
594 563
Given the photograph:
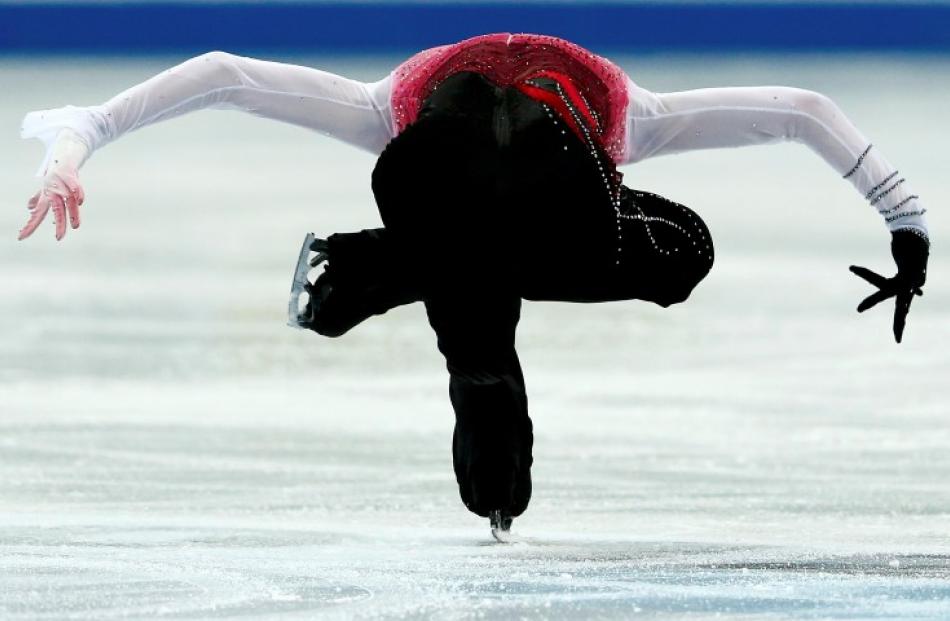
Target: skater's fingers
901 308
31 204
39 213
872 277
59 215
72 208
874 299
75 188
319 245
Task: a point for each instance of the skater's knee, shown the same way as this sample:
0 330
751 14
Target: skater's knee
674 240
680 284
474 366
481 377
678 292
486 388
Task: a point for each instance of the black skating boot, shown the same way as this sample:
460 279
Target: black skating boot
491 447
361 279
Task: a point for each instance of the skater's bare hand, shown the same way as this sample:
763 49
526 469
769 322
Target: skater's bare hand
60 192
910 252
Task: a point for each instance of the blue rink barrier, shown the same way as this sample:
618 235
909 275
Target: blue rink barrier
381 27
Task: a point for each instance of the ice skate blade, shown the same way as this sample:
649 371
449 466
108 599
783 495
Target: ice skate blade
297 287
500 527
502 536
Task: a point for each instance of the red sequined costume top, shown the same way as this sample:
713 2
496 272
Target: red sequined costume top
512 60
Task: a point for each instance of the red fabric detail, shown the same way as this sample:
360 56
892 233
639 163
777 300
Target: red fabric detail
573 94
545 96
510 59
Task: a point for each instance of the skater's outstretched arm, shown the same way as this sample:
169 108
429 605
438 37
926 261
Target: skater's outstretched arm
354 112
664 123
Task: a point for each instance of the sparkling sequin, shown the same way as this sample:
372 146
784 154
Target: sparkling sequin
916 231
897 207
906 214
860 161
873 190
879 197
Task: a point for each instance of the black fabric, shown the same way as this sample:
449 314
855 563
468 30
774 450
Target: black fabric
911 250
495 199
505 186
493 436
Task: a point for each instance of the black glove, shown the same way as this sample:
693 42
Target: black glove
910 250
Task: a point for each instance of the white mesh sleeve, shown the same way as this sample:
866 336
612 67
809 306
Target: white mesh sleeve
665 123
354 112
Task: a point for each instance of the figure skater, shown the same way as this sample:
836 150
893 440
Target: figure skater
497 181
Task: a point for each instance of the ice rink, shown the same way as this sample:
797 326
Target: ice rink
169 448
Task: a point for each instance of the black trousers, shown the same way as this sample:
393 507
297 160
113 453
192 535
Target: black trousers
496 200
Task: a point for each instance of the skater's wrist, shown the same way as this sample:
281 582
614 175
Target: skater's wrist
910 249
69 134
68 152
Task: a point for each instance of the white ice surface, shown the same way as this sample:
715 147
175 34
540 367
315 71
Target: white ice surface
168 447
